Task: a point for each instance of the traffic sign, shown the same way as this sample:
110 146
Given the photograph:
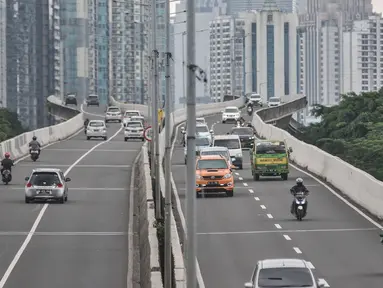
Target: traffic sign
148 133
161 115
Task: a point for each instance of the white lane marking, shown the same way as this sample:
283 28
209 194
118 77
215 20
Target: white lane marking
251 191
297 250
325 284
256 198
20 252
310 265
236 173
130 225
77 166
263 207
106 189
278 226
287 237
356 209
98 150
240 178
18 233
286 231
270 216
245 184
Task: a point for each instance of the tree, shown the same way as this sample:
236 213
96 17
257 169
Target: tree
10 126
351 130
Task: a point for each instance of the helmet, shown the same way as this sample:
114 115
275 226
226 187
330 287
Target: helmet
299 181
7 155
34 138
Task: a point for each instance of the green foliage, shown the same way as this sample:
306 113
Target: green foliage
10 126
352 130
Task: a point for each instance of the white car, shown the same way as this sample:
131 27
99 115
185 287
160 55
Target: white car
113 113
200 143
200 120
46 184
274 102
96 129
203 131
134 130
256 99
233 143
129 114
231 113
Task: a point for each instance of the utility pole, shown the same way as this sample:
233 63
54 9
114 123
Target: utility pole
233 67
142 52
183 67
191 242
156 161
168 187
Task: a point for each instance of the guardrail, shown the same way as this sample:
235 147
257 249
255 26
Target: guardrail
359 186
57 108
18 146
125 106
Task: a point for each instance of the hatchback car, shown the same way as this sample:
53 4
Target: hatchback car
283 273
96 129
274 102
214 175
93 100
113 113
46 184
71 99
134 130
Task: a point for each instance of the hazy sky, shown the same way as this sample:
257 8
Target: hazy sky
378 5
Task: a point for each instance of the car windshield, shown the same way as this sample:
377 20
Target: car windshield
113 109
231 110
271 148
130 114
44 179
228 143
212 164
274 100
202 129
134 124
200 120
93 97
285 277
96 124
255 97
202 142
242 131
223 153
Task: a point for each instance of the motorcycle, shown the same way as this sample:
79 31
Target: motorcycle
34 155
7 176
249 110
300 203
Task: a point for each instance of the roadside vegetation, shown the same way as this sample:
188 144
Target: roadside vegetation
352 130
10 125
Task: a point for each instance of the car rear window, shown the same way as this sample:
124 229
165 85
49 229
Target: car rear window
113 109
45 179
228 143
222 153
202 129
202 142
285 277
134 124
96 124
93 97
130 114
212 164
231 110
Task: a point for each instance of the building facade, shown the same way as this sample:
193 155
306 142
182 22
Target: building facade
363 59
3 54
271 53
237 6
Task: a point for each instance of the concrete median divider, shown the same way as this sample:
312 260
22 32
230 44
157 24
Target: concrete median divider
359 186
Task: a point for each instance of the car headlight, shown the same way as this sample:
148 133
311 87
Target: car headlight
251 138
198 177
239 155
227 176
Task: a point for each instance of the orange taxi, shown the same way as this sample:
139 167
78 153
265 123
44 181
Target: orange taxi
214 175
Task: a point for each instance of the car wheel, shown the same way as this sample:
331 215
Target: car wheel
199 195
256 177
126 139
62 200
105 138
66 198
240 167
223 122
119 121
230 193
28 200
142 139
88 138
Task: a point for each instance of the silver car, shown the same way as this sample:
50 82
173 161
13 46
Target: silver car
46 184
113 113
134 130
96 129
129 114
200 143
203 131
223 151
283 273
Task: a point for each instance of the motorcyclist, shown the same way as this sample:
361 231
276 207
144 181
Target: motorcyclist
6 163
250 104
34 145
86 122
299 187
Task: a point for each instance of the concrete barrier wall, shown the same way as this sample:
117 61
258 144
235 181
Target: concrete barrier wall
124 106
18 146
57 108
358 185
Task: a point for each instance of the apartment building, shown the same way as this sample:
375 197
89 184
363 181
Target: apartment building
237 6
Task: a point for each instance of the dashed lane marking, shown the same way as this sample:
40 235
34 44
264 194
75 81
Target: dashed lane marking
256 198
263 207
245 184
251 191
270 216
240 178
278 226
287 237
325 284
297 250
310 265
236 173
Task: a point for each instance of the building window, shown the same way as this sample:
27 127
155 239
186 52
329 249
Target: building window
270 18
286 58
270 61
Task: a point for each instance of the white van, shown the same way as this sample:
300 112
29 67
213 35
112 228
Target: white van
233 143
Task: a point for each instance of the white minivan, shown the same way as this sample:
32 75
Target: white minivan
233 143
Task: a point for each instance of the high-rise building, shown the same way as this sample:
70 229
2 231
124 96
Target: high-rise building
271 52
236 6
3 54
321 30
362 60
33 58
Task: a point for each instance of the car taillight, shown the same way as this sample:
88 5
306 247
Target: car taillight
29 185
59 185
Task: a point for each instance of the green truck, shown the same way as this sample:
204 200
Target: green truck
269 158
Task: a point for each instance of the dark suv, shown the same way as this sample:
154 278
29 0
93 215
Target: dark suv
93 100
71 99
